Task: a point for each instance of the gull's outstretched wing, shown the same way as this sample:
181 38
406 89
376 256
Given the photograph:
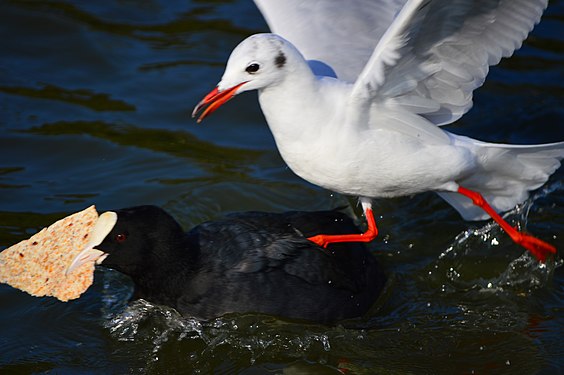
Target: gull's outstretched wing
437 52
336 34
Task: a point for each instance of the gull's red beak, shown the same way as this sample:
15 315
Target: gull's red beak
214 100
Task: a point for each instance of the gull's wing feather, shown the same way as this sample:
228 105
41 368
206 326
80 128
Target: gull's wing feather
437 52
337 34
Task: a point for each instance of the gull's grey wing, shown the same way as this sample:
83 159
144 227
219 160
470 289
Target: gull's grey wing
437 52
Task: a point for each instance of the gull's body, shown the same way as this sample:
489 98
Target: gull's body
364 118
318 154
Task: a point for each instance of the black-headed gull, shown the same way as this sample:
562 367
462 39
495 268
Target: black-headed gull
355 93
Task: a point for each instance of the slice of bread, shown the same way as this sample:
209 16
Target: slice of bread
38 265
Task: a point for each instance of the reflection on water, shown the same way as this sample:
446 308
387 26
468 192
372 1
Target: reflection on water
177 143
95 102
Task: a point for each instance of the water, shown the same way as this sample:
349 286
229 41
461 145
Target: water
95 100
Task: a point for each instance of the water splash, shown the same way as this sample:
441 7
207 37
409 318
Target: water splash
247 337
484 260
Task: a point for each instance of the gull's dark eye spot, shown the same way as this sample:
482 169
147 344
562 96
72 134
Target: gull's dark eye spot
252 68
280 59
121 237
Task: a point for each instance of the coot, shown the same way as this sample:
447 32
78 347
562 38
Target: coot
246 262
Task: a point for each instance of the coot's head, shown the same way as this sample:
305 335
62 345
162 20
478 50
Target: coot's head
137 239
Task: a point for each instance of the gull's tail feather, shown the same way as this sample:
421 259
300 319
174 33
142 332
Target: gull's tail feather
506 175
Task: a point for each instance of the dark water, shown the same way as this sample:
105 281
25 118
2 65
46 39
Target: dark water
95 99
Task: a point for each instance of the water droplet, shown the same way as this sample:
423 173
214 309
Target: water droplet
325 342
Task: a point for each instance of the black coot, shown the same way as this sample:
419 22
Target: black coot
247 262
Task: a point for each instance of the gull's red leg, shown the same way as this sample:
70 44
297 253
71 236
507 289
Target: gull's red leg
538 248
370 234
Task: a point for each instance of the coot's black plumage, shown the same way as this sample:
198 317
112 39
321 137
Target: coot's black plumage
246 262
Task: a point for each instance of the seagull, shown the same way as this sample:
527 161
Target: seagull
355 96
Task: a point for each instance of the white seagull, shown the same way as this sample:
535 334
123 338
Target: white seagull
355 93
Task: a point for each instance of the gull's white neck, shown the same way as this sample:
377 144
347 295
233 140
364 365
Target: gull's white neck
305 115
300 109
286 104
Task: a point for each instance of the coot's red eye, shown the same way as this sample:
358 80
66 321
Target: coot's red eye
121 237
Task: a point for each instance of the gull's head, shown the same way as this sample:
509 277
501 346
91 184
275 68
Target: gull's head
258 62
